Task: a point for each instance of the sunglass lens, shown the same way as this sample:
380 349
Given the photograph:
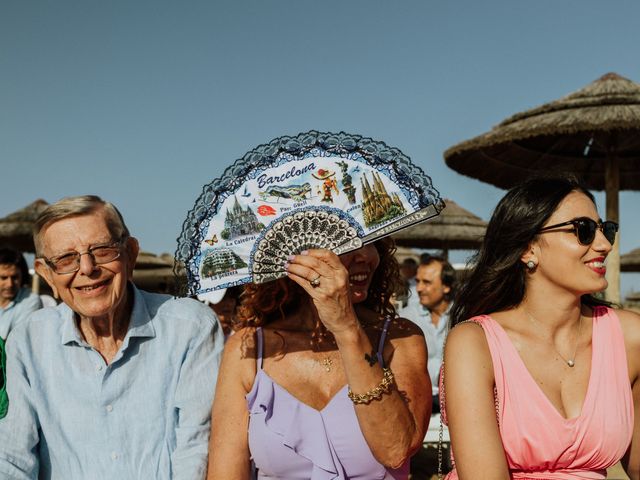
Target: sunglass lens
586 229
609 230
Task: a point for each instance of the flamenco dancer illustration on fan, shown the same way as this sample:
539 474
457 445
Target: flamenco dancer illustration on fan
329 184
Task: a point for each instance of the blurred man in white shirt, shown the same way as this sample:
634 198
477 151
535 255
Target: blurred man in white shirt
435 283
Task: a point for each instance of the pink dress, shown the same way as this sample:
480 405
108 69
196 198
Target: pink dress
540 443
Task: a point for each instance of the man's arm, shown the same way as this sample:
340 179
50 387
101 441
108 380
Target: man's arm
193 399
19 429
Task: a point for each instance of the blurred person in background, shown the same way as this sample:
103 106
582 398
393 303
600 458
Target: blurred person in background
16 299
435 286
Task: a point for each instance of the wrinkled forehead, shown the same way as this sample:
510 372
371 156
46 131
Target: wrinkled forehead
77 231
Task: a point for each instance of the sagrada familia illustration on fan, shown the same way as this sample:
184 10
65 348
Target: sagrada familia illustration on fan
314 190
377 205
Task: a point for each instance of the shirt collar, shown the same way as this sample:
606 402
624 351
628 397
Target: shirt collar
139 325
444 318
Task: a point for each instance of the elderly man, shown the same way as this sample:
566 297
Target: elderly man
16 300
435 282
114 383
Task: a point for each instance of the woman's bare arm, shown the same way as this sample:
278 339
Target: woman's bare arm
470 406
228 446
630 323
394 426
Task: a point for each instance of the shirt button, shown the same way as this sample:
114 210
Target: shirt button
98 368
110 409
114 456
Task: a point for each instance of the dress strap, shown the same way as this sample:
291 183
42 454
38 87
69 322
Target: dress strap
383 336
259 337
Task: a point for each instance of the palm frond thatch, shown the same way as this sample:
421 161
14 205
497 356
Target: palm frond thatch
630 262
454 229
576 133
16 228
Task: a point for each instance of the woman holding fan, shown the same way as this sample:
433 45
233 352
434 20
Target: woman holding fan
322 382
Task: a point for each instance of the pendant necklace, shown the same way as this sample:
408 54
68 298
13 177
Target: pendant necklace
327 363
571 361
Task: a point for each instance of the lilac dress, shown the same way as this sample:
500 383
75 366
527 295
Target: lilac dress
289 440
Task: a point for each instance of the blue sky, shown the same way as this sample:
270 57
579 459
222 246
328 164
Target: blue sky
143 102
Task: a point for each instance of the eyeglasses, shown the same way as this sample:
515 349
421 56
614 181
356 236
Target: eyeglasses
100 254
585 229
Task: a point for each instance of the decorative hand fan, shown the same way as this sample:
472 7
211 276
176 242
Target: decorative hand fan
314 190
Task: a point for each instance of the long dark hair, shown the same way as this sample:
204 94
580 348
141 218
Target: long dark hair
497 279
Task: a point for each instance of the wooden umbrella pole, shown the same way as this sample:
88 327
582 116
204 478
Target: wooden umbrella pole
612 188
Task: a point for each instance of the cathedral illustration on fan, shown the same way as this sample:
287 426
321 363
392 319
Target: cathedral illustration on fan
377 205
239 221
282 198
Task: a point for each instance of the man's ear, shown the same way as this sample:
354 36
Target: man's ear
132 248
45 272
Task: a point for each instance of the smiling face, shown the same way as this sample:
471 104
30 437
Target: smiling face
361 265
561 260
94 291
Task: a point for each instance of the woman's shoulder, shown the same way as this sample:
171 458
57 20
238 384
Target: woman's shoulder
400 327
241 346
468 340
630 324
467 352
240 355
469 332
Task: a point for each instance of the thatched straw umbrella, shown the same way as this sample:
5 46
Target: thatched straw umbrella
630 262
594 133
16 228
156 273
454 229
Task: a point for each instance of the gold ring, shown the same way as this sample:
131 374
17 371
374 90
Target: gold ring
315 282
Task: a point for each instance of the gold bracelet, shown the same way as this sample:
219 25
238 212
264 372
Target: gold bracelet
376 392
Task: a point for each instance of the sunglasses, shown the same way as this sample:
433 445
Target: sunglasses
585 229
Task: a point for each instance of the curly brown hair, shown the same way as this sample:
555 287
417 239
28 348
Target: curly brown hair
264 303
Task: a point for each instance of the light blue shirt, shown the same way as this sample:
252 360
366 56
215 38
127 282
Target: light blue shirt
413 296
434 335
145 416
17 310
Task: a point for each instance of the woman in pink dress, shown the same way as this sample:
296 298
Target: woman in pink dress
541 378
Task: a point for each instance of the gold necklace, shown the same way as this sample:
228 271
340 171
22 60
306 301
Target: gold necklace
571 361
